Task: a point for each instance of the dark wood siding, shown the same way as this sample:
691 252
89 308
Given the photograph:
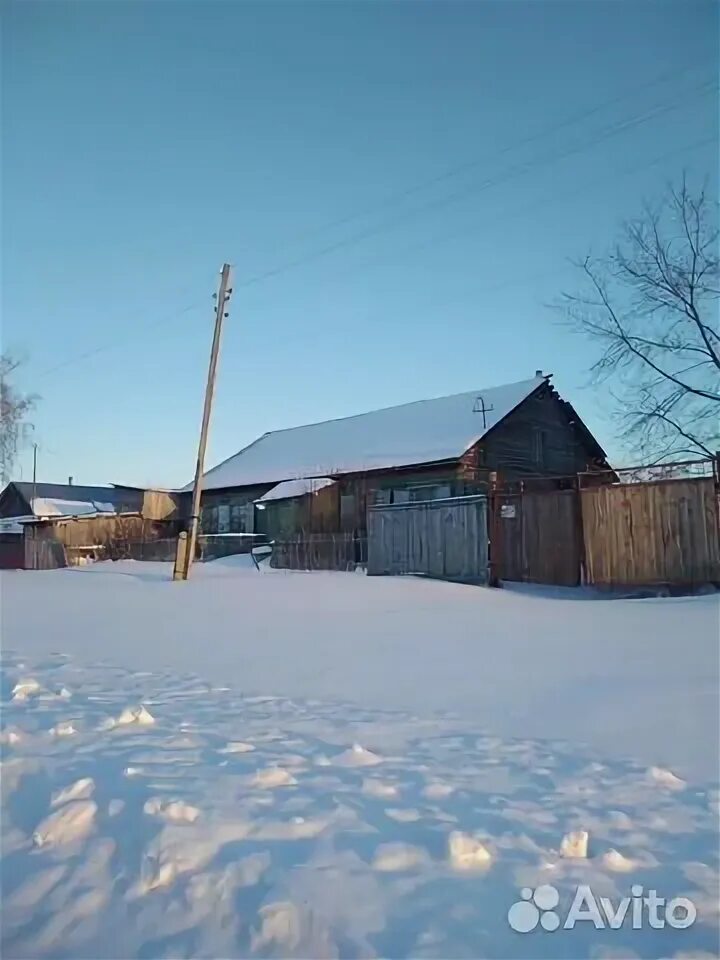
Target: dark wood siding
537 438
227 511
313 513
13 503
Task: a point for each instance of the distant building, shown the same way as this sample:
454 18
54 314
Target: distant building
323 476
21 499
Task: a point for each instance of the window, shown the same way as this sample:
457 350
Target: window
249 518
540 441
347 511
208 519
223 518
434 491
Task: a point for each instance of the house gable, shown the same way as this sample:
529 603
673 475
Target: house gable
543 435
13 503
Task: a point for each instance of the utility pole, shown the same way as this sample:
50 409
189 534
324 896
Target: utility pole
223 296
34 486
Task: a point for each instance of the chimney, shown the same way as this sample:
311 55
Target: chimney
538 373
70 479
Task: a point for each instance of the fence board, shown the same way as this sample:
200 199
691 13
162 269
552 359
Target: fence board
649 533
446 539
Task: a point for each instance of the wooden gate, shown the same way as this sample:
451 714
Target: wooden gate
537 537
447 539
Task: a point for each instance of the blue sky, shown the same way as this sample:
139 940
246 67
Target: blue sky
395 162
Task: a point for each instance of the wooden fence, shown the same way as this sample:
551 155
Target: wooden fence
69 540
658 532
321 551
447 539
629 530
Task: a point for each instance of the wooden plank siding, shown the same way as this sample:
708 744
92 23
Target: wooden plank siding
312 513
541 436
652 533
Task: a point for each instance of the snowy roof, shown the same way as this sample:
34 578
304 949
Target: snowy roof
123 499
295 488
13 524
422 432
54 507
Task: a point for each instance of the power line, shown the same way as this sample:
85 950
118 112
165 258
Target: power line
546 201
425 244
577 117
618 127
115 344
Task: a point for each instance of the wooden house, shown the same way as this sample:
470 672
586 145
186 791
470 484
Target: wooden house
38 500
322 477
80 518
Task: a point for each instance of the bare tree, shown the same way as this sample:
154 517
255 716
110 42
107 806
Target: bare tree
652 305
14 409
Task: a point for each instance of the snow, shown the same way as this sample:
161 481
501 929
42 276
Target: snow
54 507
319 765
420 432
14 524
295 488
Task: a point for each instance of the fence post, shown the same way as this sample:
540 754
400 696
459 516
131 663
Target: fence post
716 478
494 539
581 529
180 555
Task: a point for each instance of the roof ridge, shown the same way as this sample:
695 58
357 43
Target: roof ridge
393 406
429 430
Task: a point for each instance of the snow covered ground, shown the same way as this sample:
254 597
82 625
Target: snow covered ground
321 765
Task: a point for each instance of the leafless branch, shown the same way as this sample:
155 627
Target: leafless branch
652 305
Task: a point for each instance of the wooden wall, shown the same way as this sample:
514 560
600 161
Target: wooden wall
537 438
237 500
13 503
317 512
12 551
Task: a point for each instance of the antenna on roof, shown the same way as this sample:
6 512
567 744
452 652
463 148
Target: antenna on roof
479 407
